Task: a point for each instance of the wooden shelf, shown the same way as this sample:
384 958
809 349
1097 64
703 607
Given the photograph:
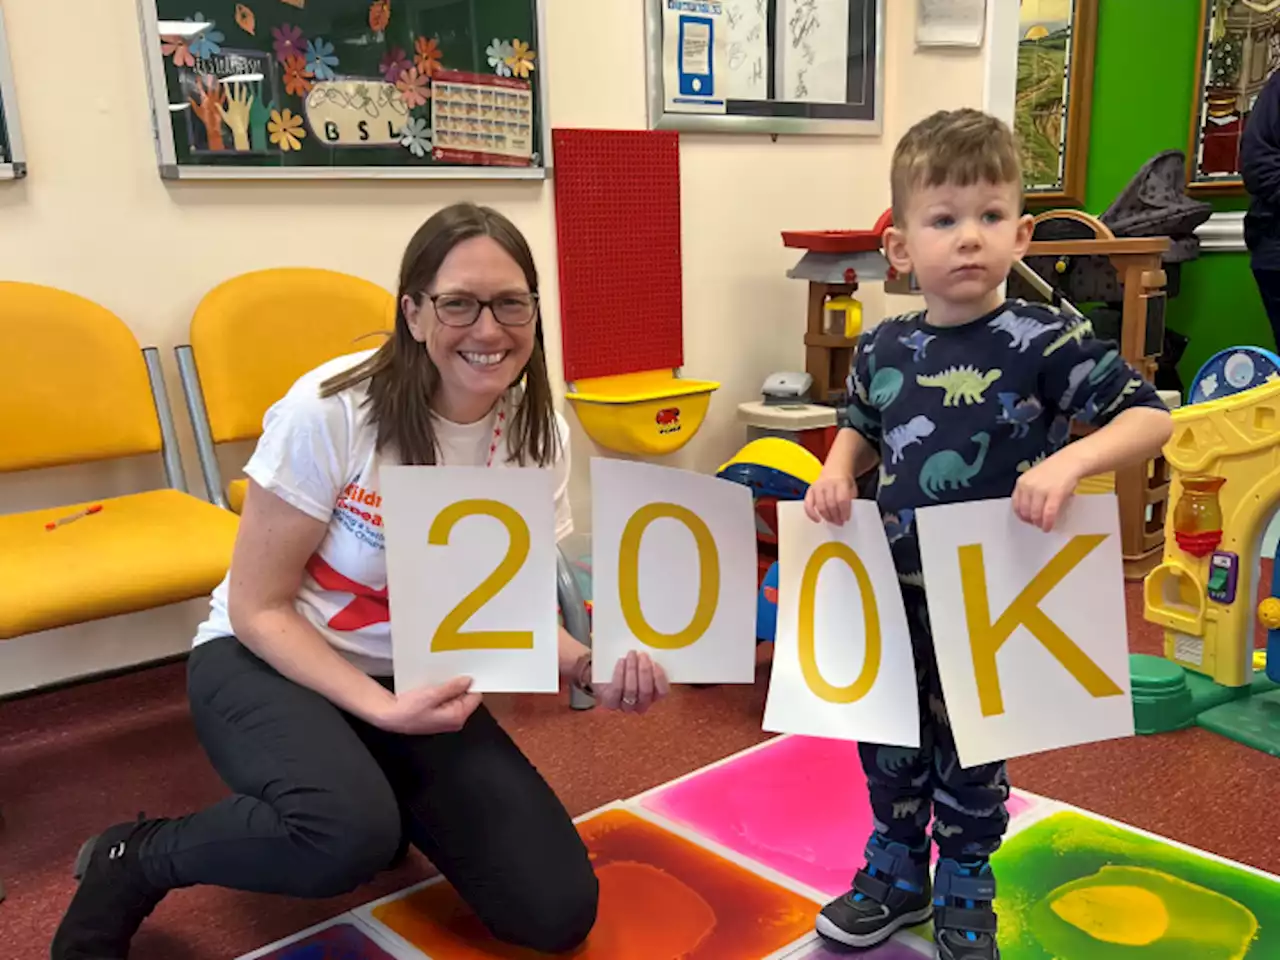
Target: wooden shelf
1098 248
829 340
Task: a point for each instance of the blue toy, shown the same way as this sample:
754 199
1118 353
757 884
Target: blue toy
767 607
1233 371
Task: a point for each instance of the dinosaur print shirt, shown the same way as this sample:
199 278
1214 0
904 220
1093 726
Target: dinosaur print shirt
959 413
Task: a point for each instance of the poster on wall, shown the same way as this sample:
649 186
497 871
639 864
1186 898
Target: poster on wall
346 88
766 66
1053 97
13 161
1239 49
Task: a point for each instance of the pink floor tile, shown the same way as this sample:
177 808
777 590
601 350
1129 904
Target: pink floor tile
798 806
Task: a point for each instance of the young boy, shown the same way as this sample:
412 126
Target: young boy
969 400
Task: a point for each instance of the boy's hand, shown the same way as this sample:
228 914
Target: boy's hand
830 498
1043 490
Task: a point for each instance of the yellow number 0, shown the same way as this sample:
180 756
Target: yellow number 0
871 617
449 635
629 576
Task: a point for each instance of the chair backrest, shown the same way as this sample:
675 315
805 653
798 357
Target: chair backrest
73 386
257 333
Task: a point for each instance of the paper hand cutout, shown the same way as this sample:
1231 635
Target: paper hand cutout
236 115
209 109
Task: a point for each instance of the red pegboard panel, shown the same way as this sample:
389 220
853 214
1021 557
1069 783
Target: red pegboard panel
618 232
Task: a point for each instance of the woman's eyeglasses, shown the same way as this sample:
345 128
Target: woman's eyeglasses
459 310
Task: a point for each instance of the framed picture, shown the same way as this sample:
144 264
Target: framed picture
1239 49
347 88
13 159
1056 40
766 66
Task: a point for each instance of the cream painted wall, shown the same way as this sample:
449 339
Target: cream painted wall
93 217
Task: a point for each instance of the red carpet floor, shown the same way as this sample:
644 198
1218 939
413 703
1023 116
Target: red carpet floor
76 760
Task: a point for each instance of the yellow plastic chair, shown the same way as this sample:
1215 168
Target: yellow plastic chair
78 389
253 336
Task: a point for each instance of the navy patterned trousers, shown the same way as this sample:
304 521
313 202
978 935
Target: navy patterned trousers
908 787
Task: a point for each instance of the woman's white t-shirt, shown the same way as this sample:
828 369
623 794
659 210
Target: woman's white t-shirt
318 454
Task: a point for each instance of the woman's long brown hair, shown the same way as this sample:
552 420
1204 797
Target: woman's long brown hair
403 380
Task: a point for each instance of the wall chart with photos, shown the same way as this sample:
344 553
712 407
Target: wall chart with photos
346 88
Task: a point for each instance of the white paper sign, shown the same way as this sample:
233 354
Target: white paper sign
695 39
471 576
674 572
746 72
950 23
813 50
1029 627
842 665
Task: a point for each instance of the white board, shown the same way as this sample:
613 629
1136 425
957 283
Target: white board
471 576
673 558
1061 676
842 664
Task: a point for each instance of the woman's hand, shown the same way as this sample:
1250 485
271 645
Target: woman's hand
637 684
443 708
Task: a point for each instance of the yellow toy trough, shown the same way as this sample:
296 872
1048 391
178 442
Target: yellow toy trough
650 413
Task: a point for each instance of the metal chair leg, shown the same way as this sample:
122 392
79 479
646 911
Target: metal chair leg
574 611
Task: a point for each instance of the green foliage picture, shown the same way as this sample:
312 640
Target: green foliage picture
427 85
1054 91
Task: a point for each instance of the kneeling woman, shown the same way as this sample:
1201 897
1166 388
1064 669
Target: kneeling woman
332 770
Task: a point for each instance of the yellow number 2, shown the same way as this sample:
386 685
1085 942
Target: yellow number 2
629 576
449 635
805 630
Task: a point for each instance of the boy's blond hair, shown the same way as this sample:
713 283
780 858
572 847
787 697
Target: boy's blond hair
957 147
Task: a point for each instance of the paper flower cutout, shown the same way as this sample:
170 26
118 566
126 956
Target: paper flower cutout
414 87
245 19
521 59
393 64
288 42
497 52
285 128
177 48
379 15
321 59
207 43
416 136
427 58
297 78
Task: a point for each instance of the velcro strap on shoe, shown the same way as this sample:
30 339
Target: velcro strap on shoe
891 862
963 919
873 888
964 887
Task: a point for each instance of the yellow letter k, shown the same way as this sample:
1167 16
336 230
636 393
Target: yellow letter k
986 638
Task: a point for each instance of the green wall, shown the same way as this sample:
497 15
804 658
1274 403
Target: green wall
1144 78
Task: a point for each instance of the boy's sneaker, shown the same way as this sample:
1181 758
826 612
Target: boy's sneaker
964 922
890 893
113 897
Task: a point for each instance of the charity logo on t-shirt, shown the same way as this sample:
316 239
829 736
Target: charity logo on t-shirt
357 511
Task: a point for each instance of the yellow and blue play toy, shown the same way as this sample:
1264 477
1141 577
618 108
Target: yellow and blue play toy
1233 371
775 469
